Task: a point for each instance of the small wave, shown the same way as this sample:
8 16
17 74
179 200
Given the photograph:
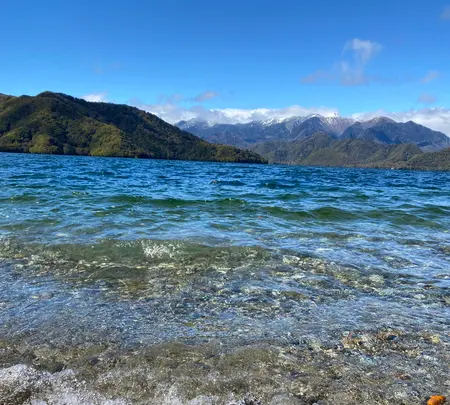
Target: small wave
401 217
24 198
129 199
99 173
333 213
273 185
293 196
174 202
131 253
425 209
234 183
286 213
230 202
77 178
359 197
436 209
323 213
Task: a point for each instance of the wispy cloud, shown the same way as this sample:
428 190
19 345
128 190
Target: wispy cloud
205 96
363 51
177 98
100 69
170 98
96 97
350 70
430 76
319 76
445 15
426 98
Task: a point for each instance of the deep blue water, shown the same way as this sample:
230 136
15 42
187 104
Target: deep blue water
140 252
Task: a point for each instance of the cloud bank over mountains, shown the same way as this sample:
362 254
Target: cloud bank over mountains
174 113
437 118
170 110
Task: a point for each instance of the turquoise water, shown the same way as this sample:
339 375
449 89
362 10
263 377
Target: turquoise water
138 254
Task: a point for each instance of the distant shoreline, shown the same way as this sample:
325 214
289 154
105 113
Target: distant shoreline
244 163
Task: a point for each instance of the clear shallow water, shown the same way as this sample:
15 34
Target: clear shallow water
135 254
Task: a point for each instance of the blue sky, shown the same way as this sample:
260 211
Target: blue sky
181 59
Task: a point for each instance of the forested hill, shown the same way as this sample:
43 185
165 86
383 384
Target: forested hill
322 150
56 123
431 161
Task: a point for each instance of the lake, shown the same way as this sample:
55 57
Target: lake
128 281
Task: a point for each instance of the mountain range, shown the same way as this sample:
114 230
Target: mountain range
56 123
380 130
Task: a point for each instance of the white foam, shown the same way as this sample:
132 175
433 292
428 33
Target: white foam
43 388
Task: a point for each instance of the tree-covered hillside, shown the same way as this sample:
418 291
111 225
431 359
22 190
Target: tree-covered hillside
60 124
322 150
431 161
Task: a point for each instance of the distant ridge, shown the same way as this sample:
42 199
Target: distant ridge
56 123
387 131
4 98
380 129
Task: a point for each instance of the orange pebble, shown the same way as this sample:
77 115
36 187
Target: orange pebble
436 400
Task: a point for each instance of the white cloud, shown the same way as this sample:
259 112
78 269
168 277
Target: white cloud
173 113
350 70
430 76
427 98
437 118
363 50
206 95
446 13
96 97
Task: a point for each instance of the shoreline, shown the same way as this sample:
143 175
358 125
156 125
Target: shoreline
267 163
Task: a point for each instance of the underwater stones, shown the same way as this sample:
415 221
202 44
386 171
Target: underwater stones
309 373
434 338
55 367
251 401
353 341
387 336
376 279
291 260
294 295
